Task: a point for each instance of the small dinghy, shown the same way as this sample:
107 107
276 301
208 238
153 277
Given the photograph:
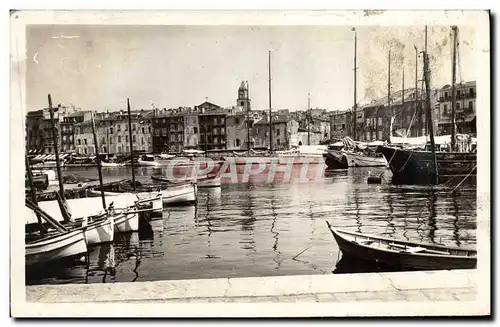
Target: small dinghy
402 254
374 179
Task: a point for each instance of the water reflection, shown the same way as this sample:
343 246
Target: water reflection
261 229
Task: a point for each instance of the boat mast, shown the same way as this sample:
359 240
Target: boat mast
403 89
248 118
308 118
33 195
56 147
96 145
416 85
429 112
131 145
355 84
389 92
270 117
453 81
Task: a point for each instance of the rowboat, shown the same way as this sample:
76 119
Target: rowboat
201 181
403 254
54 246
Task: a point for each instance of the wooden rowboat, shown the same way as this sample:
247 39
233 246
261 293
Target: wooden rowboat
402 254
54 246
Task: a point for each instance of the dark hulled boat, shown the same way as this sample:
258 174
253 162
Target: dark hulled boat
417 167
403 254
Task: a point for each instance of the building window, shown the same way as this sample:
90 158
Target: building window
85 150
119 149
277 132
380 135
471 106
142 140
458 94
445 109
457 105
367 122
157 132
237 120
103 140
85 141
445 95
110 141
79 142
126 138
133 127
111 130
149 129
195 130
164 131
142 130
119 128
119 138
238 142
343 126
471 91
367 137
133 138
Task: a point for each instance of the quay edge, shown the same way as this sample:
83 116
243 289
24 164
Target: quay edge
458 288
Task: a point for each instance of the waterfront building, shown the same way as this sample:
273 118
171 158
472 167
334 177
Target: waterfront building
408 113
237 131
465 108
38 124
340 124
284 129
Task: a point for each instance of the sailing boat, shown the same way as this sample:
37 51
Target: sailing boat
431 166
351 153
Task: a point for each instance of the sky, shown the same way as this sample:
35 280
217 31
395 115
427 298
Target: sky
96 67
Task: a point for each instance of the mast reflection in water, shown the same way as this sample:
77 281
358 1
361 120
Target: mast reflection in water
262 229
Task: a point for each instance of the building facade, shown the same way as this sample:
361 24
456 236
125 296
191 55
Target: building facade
340 125
465 109
237 131
284 129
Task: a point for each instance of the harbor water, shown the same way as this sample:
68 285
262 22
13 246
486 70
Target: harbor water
261 228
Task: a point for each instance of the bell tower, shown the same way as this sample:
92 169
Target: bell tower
243 98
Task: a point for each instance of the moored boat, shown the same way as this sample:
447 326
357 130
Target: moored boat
403 254
170 193
417 167
147 160
201 181
54 246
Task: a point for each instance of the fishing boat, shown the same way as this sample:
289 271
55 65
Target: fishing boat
157 193
403 254
201 181
431 165
105 164
166 156
148 160
128 221
353 154
54 246
311 154
44 245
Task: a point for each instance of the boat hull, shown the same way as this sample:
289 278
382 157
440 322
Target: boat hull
417 167
180 194
402 259
127 222
148 163
301 159
61 246
100 231
361 160
335 160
